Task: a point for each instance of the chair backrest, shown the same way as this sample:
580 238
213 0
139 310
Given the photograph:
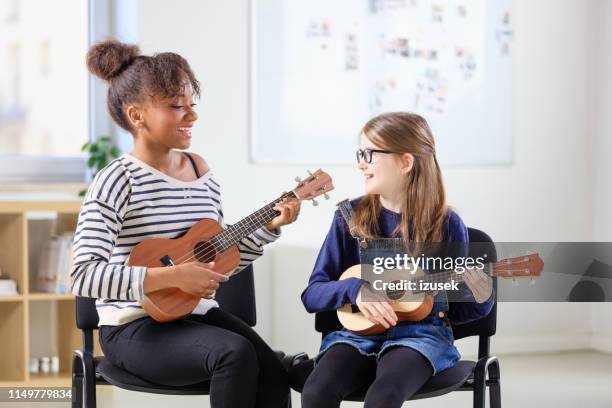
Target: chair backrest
236 296
480 244
326 322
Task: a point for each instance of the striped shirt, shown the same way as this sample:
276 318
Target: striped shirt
130 201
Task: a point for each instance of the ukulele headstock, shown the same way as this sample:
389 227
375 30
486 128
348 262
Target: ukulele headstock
316 184
530 265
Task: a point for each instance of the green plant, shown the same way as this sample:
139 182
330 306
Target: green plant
101 152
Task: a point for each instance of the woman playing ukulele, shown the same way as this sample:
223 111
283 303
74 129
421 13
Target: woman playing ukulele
159 191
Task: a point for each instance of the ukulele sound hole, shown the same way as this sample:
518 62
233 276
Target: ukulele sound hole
204 252
395 294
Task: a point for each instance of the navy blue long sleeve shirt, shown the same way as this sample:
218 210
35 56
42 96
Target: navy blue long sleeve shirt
340 251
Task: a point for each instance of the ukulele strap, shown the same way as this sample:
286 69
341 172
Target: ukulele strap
346 209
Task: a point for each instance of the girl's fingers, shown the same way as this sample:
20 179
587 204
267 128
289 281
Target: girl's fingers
365 311
467 278
383 314
479 276
388 315
375 315
480 280
390 311
370 314
481 289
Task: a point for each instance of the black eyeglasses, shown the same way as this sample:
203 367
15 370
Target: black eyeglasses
366 154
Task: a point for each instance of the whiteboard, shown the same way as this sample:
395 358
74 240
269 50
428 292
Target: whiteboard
321 68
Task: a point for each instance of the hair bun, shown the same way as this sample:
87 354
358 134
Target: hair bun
108 58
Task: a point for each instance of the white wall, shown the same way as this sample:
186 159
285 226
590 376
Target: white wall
550 193
602 215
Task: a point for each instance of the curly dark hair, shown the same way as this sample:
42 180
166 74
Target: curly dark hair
133 77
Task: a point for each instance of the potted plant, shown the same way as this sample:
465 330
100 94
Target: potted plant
101 152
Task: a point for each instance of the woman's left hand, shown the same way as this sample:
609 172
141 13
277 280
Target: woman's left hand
289 210
479 283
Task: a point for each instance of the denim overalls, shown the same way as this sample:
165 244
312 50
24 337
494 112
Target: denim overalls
432 336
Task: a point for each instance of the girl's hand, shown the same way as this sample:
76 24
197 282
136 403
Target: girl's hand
479 283
289 210
379 312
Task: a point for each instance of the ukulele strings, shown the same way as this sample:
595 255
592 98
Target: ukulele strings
193 255
204 253
208 252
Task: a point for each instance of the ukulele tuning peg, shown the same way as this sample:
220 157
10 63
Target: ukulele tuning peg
326 196
532 282
309 173
314 202
514 282
298 179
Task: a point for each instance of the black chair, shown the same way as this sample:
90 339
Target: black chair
236 296
464 376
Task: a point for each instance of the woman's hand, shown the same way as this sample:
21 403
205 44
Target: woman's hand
479 283
197 278
379 312
289 210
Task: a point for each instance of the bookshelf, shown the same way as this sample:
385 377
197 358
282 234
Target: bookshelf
21 314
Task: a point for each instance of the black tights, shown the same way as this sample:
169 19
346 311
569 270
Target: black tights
342 370
242 369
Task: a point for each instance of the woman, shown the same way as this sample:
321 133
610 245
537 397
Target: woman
158 191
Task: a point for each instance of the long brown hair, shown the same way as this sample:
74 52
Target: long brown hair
425 198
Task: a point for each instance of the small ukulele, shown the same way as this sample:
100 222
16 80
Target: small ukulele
420 302
207 241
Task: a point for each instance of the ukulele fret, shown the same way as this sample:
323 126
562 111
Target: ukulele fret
248 225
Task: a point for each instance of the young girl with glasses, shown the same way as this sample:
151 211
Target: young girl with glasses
404 202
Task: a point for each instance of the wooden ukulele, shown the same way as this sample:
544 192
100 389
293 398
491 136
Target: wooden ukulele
207 241
420 302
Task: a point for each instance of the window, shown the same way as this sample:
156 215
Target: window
49 105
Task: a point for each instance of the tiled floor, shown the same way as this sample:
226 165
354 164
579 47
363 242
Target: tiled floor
581 379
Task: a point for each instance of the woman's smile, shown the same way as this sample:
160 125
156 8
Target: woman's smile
185 131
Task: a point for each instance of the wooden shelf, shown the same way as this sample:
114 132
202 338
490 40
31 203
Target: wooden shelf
62 379
20 314
50 296
15 298
22 206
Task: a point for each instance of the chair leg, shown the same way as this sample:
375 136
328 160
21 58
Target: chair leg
495 386
83 380
488 365
480 385
90 384
77 382
479 395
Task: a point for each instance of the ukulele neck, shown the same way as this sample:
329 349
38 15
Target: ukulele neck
449 275
249 224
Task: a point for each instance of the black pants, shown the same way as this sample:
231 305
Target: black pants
342 370
243 370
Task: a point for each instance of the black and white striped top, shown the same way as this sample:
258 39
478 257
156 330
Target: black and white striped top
130 201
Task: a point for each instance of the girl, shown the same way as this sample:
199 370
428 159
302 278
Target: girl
158 191
404 203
